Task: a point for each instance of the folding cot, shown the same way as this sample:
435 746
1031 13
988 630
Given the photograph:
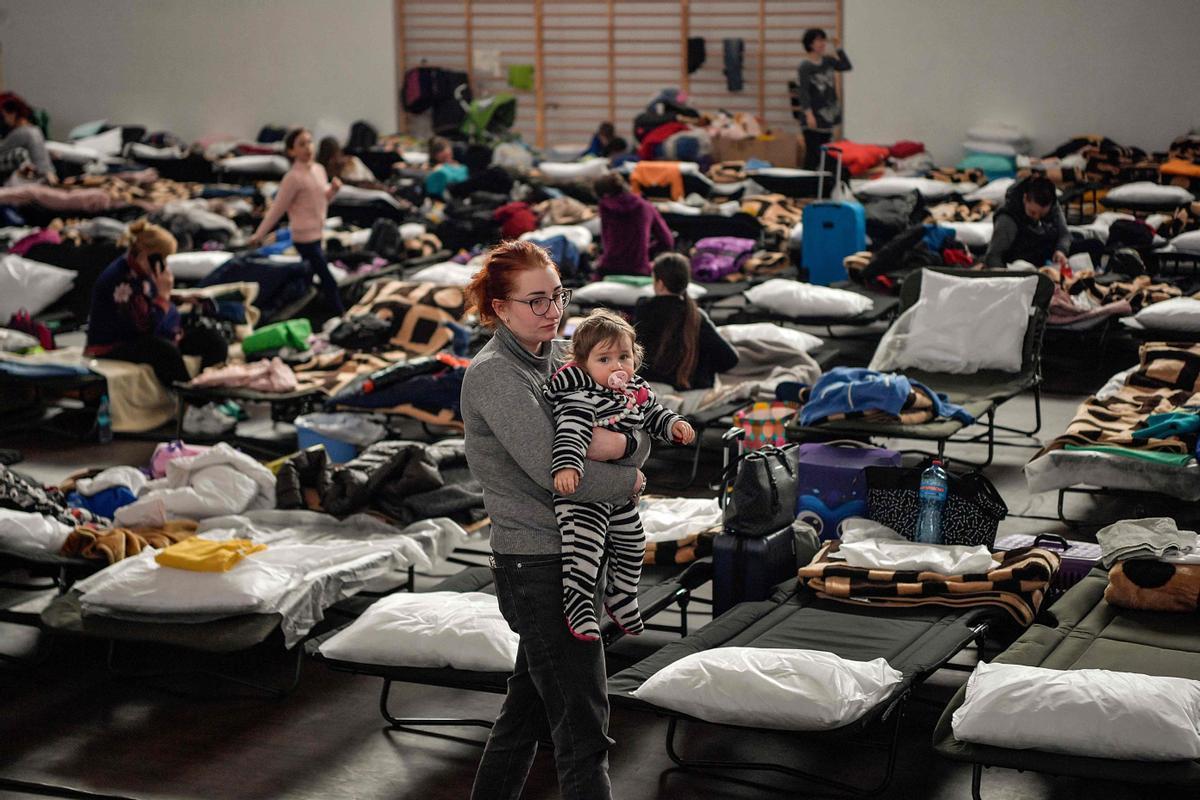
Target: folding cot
662 587
337 560
915 641
980 393
1082 631
1162 382
735 308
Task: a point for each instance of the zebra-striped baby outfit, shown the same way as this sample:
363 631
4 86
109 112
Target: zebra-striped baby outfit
581 404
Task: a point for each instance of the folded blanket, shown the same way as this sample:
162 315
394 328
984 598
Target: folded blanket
1149 585
115 544
681 551
207 555
266 375
1017 583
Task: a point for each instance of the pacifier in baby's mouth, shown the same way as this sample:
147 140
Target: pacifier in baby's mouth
618 380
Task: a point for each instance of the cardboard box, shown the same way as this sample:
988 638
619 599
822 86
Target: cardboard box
782 150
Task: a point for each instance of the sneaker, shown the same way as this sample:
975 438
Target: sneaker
207 420
233 410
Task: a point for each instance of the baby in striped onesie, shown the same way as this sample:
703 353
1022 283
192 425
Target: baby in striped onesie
599 387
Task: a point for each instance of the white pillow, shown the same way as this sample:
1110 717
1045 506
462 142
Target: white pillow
1187 242
944 559
1176 314
30 285
784 689
963 325
196 265
276 165
992 191
622 294
990 148
997 132
446 273
972 234
73 154
795 299
429 629
108 143
572 172
31 534
766 332
1085 712
1147 192
578 235
891 185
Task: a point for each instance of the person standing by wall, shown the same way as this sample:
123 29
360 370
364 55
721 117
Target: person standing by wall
816 93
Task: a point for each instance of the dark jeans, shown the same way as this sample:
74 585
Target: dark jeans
166 358
314 257
813 139
558 681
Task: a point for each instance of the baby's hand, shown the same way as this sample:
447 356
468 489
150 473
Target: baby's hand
566 481
682 432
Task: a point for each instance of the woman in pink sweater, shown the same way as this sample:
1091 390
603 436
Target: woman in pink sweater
304 195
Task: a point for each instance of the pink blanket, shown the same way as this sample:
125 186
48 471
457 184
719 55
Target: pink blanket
86 200
260 376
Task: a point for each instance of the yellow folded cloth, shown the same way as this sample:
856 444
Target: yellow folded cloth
206 555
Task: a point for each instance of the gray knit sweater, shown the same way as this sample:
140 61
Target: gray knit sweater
510 438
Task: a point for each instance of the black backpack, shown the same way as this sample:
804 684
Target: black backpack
385 238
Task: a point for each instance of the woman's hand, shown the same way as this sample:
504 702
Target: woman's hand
682 432
566 481
164 282
606 445
639 485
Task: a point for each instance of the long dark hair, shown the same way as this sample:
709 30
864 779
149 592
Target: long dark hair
331 157
680 346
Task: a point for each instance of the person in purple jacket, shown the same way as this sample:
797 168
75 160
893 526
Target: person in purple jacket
631 230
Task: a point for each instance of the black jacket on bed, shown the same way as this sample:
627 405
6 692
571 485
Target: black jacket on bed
655 317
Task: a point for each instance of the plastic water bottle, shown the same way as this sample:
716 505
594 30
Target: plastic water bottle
933 499
104 421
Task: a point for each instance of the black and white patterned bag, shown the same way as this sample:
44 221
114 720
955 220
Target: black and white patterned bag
973 507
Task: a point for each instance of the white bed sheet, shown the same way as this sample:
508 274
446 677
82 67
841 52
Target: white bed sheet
312 561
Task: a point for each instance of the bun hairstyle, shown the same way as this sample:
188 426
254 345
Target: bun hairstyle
145 237
496 277
599 327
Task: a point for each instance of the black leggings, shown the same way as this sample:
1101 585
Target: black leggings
813 139
314 257
166 358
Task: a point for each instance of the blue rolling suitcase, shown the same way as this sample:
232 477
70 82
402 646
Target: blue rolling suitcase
833 229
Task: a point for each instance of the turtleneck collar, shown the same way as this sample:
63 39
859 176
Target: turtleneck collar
509 342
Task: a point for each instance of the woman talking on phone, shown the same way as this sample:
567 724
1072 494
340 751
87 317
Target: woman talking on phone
133 318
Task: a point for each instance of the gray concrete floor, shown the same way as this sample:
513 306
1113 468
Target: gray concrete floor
68 722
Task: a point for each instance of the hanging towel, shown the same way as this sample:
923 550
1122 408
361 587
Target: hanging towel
695 53
520 76
206 555
735 50
657 173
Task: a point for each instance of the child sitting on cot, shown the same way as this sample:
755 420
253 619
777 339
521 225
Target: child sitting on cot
599 387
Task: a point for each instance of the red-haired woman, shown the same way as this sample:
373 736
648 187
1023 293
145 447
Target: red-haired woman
558 680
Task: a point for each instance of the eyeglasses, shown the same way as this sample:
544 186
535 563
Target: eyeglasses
540 306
